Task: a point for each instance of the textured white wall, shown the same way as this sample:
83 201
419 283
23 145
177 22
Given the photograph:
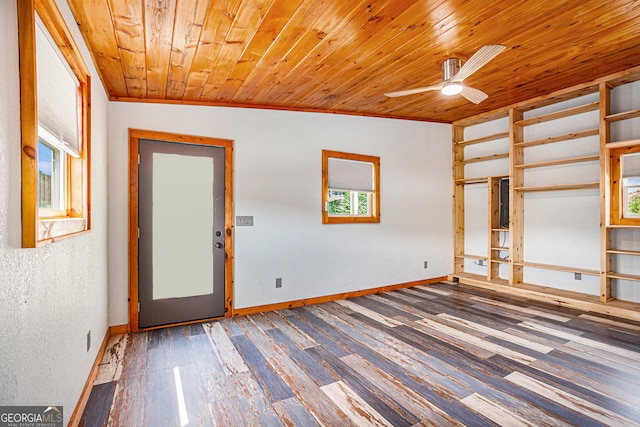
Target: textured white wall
278 181
51 296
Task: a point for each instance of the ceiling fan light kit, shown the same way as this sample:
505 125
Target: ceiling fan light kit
453 73
451 88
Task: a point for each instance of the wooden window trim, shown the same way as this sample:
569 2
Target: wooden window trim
374 217
38 231
617 197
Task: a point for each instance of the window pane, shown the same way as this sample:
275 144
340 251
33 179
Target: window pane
348 203
631 194
363 204
45 176
339 203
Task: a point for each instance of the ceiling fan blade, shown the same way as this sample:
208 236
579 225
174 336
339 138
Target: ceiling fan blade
413 91
478 60
474 95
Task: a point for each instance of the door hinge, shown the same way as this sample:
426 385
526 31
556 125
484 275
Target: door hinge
138 232
138 306
138 158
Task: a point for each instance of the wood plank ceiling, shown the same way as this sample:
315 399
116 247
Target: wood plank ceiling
343 55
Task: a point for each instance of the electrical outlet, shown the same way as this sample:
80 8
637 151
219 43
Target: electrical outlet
89 340
278 282
577 276
426 264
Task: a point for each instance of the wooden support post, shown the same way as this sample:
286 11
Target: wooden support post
605 236
458 199
516 198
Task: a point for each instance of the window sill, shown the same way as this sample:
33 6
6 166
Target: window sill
53 229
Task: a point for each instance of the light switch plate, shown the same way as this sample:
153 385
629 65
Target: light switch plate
244 221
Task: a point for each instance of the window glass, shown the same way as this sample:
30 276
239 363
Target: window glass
631 185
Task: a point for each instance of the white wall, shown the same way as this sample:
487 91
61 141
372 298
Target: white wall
53 295
278 181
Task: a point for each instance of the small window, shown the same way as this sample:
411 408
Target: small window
350 188
55 122
625 189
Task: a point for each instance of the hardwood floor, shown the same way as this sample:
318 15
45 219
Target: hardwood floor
443 354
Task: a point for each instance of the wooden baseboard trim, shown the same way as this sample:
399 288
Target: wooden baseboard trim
74 421
118 329
577 300
328 298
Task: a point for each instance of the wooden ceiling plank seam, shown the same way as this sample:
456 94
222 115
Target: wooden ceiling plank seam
244 27
264 39
371 23
159 17
309 36
128 30
218 22
95 18
322 39
190 16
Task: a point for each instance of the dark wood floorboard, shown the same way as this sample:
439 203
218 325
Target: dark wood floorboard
443 355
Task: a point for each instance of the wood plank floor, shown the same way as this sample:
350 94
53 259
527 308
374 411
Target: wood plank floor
444 354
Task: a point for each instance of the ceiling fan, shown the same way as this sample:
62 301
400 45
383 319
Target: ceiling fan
453 75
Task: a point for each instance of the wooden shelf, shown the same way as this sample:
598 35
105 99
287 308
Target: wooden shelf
500 229
484 158
558 268
630 277
476 257
583 186
622 116
478 180
559 138
622 252
500 261
592 158
487 138
626 143
614 226
500 248
592 106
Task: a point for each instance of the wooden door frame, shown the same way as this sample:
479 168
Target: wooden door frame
134 137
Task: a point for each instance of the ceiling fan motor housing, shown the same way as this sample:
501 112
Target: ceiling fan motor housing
450 68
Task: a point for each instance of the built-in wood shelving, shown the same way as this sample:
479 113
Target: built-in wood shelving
494 137
622 252
469 256
631 277
485 158
506 246
560 187
559 138
627 143
592 106
632 114
595 157
586 271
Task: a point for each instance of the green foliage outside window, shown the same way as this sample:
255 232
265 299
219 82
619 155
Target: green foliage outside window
340 203
634 205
